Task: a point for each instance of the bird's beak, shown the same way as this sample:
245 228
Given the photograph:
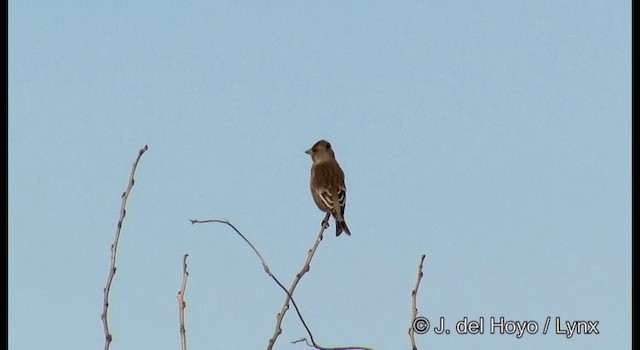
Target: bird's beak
308 152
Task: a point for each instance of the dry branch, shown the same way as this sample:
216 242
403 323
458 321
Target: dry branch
304 340
414 307
181 303
114 251
305 269
289 292
266 267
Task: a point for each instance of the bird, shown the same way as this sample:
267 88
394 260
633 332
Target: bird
327 184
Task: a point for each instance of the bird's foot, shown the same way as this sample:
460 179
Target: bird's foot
325 222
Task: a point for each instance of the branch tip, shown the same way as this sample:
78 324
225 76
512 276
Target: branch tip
114 251
414 307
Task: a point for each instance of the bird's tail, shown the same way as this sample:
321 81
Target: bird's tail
341 226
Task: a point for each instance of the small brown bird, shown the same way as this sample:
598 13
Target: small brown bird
327 184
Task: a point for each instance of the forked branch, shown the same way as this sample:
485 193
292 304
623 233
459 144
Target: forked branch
266 268
305 268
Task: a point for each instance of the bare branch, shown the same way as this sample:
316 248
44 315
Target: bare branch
181 303
414 307
114 251
304 340
264 263
268 271
289 292
305 269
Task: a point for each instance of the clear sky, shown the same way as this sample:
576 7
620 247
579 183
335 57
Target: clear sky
492 136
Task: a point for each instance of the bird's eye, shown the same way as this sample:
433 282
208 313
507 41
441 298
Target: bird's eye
328 145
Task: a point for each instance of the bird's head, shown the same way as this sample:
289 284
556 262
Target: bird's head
321 151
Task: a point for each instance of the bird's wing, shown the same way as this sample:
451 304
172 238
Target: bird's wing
330 186
326 197
342 198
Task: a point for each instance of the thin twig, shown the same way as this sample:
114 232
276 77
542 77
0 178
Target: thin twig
268 271
340 348
305 269
181 303
414 307
114 250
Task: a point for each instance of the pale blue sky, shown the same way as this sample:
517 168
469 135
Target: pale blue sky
492 136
